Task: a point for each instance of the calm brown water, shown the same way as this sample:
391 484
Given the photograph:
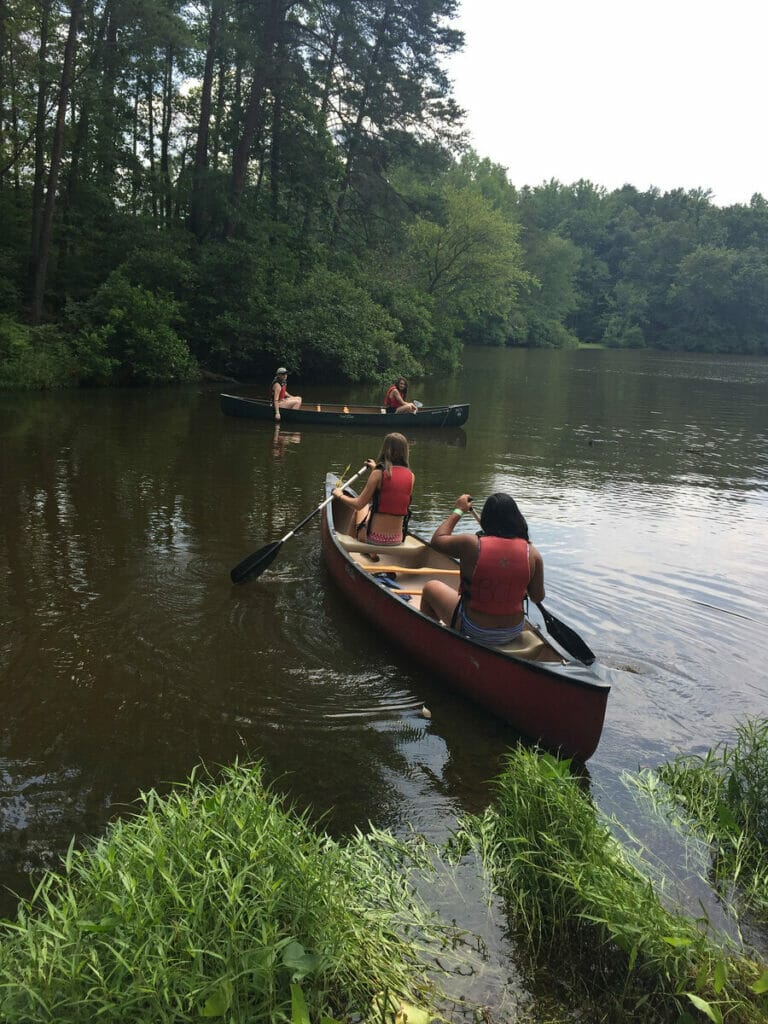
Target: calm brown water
127 657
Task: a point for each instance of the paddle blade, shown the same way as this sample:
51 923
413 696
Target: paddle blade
568 638
255 564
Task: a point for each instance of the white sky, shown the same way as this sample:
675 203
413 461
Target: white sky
668 94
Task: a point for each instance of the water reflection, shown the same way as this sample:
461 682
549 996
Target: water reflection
127 656
454 437
282 438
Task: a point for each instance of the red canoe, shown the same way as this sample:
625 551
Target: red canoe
532 683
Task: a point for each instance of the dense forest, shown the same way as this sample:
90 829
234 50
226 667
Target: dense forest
225 184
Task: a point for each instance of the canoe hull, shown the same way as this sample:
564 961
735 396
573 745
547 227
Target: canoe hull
559 706
357 415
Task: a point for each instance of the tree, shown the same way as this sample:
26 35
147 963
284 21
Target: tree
42 250
469 263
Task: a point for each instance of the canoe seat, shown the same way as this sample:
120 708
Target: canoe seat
528 645
409 545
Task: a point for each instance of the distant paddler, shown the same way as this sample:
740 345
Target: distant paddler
279 395
396 398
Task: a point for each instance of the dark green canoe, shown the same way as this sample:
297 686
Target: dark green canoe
342 415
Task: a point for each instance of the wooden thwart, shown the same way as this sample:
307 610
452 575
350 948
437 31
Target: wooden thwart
404 568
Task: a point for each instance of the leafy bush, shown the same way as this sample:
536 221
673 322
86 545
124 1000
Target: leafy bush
9 291
574 893
724 796
235 324
129 331
34 357
337 327
620 334
217 902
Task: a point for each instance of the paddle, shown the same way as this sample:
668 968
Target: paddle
255 564
568 638
561 633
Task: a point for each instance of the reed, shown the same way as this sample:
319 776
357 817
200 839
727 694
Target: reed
578 903
722 798
216 901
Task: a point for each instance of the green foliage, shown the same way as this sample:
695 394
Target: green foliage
469 261
621 334
129 331
216 902
724 795
576 896
286 162
414 312
628 315
719 301
34 357
335 327
549 296
9 291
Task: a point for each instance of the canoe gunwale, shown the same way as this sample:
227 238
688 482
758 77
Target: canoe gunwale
504 683
436 417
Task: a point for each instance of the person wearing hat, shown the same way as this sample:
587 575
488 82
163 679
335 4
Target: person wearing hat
279 393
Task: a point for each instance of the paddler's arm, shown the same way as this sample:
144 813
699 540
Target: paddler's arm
443 539
536 582
367 492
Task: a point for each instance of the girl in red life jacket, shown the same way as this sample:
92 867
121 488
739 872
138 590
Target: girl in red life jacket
499 566
278 393
381 508
395 399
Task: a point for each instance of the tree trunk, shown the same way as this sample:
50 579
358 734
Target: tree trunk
165 138
309 212
277 130
42 97
362 113
254 114
4 61
151 145
107 129
200 165
46 227
135 174
219 116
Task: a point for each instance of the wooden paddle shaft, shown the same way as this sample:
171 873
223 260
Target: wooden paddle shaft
403 568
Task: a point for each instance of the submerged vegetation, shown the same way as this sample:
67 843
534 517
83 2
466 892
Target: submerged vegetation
578 901
218 902
722 796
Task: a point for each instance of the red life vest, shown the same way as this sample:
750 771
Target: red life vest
390 402
395 492
281 396
501 576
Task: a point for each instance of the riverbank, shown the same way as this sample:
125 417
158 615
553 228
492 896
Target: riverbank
218 901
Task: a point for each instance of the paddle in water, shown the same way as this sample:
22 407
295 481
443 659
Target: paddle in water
568 638
561 633
254 565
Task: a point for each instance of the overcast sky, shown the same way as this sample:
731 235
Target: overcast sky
671 93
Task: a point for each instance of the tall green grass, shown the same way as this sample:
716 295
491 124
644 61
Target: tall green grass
577 902
217 902
722 797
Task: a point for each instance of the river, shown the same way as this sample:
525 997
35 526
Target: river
127 657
